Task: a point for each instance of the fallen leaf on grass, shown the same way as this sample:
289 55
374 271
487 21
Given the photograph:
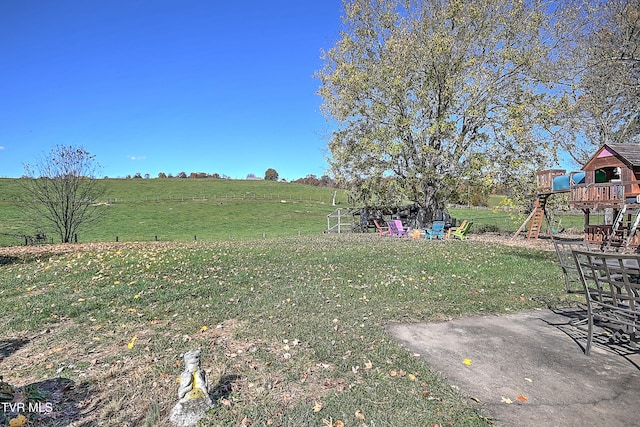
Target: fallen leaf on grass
132 343
317 407
19 421
359 415
331 423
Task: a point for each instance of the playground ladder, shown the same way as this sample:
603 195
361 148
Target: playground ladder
616 225
537 216
633 229
619 221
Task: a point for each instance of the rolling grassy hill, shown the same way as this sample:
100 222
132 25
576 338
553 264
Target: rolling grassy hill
186 209
212 209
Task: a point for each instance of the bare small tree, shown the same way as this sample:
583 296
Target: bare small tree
62 189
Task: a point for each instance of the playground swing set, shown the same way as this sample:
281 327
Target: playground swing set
608 181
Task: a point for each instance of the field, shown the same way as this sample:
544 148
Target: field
188 209
218 209
291 321
292 329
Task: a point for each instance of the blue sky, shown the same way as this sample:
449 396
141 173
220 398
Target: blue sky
153 86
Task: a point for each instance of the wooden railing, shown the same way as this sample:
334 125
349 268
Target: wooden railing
545 178
598 195
600 234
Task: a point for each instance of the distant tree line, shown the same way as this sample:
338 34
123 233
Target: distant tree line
180 175
269 175
323 181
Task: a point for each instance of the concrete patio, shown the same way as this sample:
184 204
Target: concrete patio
529 369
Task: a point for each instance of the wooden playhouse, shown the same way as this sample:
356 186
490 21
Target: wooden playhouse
608 182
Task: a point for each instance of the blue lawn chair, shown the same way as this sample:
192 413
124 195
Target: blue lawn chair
436 231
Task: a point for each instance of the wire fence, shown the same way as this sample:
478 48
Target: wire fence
9 239
485 219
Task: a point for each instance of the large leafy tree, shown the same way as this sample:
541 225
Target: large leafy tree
61 190
271 175
425 93
602 79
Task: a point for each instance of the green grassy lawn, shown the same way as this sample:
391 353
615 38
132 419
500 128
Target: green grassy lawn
219 209
292 329
494 220
208 220
291 322
187 209
136 190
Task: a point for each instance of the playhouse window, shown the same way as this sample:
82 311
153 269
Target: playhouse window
608 174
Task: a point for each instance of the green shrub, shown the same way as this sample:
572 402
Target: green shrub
487 228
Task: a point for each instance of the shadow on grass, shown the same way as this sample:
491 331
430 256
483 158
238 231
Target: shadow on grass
223 389
8 347
604 336
53 402
6 259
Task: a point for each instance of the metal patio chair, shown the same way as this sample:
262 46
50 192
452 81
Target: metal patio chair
611 284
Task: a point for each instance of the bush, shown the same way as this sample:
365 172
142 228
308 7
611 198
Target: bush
487 228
